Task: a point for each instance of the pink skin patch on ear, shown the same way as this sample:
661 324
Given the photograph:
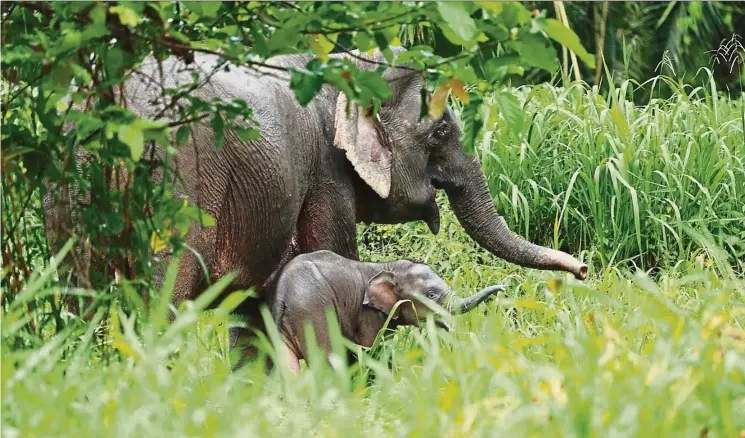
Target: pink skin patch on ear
387 301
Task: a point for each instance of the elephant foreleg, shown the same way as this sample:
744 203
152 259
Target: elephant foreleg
243 339
327 221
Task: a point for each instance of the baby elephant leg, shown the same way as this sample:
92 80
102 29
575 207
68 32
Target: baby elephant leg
293 362
295 342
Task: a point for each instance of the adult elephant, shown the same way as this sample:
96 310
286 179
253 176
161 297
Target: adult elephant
318 170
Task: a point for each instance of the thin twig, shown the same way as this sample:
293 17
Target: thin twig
19 92
194 86
183 47
188 121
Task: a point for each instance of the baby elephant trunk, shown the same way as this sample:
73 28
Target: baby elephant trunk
463 305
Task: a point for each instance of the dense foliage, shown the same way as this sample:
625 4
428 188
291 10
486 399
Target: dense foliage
636 40
641 39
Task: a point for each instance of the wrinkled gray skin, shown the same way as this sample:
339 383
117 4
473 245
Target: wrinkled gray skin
314 173
362 296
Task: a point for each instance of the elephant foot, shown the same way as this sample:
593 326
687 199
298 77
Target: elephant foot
241 341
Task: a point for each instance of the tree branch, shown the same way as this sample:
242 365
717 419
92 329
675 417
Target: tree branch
187 121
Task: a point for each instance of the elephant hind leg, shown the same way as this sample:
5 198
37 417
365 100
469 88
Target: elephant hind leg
192 279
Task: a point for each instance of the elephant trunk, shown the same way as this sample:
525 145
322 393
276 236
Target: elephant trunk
463 305
465 185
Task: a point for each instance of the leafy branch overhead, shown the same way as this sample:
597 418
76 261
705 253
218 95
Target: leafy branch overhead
47 46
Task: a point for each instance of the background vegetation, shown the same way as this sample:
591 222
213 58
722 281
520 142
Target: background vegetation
637 41
644 177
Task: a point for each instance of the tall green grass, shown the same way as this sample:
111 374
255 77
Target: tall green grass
622 355
595 172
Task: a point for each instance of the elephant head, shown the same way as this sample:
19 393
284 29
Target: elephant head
403 160
405 280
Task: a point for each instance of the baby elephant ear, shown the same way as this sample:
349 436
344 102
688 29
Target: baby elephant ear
381 293
359 135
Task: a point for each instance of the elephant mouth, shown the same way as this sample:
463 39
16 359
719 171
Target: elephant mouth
431 210
441 183
432 216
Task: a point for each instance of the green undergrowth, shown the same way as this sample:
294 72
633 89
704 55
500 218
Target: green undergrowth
619 355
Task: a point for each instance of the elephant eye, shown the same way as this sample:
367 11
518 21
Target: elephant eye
440 133
431 295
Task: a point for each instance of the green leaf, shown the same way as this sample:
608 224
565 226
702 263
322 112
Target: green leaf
210 44
114 60
69 41
385 38
204 9
182 135
232 301
495 7
535 51
158 135
511 14
218 125
56 102
96 30
80 74
305 83
471 119
466 74
127 16
259 42
380 40
197 214
247 134
209 9
496 31
207 220
63 76
97 14
566 37
374 83
322 45
285 37
509 107
362 41
133 137
458 21
497 68
231 30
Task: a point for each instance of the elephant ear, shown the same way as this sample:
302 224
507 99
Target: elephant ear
381 293
358 135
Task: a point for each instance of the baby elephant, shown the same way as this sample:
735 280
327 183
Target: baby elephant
361 294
